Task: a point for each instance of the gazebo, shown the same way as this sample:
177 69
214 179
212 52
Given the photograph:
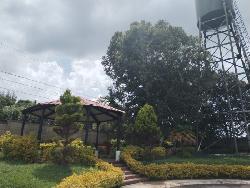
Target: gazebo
95 112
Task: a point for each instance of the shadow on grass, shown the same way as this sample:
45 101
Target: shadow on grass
52 173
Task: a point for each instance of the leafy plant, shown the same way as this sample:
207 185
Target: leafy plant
68 115
23 148
182 138
106 176
169 171
147 132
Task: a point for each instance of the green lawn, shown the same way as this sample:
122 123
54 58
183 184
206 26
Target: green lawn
21 175
229 160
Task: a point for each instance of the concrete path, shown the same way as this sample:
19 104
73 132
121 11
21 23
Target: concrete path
193 184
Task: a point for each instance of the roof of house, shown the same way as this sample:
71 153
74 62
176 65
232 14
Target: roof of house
98 111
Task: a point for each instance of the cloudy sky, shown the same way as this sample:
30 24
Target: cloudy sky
49 45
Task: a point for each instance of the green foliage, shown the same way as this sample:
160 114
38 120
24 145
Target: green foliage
158 153
68 114
184 171
6 138
182 138
167 144
15 174
6 100
107 176
75 152
186 152
24 148
146 129
208 159
161 65
155 153
46 150
14 112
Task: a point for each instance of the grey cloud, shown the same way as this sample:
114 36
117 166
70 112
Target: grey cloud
83 28
80 30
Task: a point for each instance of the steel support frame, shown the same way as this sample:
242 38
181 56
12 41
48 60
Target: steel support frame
225 49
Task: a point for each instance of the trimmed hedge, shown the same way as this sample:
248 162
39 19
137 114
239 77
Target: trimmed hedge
107 176
182 171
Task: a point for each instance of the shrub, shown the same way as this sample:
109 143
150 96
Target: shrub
57 155
80 149
186 152
75 152
167 144
155 153
135 151
184 171
147 132
182 138
20 148
158 153
46 149
107 176
5 138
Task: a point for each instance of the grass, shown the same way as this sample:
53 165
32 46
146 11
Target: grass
21 175
211 159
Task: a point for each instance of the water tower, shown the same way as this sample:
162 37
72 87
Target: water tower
224 35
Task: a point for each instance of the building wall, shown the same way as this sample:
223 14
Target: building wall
47 134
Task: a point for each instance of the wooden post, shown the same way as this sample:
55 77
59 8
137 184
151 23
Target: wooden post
23 123
87 125
86 133
97 136
40 129
118 133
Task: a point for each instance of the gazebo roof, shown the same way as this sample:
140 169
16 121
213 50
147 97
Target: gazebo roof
98 112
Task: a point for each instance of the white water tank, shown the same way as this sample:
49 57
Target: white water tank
212 13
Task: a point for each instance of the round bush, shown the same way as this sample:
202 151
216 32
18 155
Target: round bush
23 148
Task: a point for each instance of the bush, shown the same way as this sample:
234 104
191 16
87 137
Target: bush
5 138
186 152
135 151
167 144
75 152
184 171
23 148
46 149
107 176
57 155
158 153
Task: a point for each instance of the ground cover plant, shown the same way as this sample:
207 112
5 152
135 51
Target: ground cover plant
186 170
206 159
46 175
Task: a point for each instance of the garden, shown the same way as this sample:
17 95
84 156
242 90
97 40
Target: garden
25 162
175 126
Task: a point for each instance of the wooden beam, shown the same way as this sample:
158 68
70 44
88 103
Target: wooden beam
97 136
23 123
49 114
87 127
119 124
92 115
40 129
107 113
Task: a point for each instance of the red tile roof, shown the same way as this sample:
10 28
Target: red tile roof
86 102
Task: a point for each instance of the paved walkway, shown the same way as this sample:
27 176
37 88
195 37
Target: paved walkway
193 184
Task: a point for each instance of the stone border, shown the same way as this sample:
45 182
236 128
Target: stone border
178 183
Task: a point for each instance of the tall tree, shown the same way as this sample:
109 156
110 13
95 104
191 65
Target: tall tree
6 99
160 65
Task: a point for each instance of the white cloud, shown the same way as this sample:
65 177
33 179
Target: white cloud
75 34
